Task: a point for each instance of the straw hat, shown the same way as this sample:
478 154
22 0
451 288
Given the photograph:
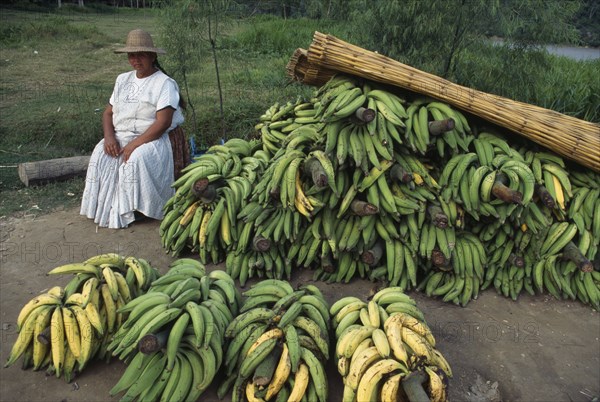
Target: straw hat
139 40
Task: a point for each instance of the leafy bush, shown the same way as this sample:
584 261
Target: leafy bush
588 23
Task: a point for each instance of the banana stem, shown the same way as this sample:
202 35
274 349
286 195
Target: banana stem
545 196
413 386
316 171
371 257
398 173
261 244
327 264
151 343
362 208
274 193
438 127
437 216
44 336
265 371
571 252
208 195
199 186
364 114
516 260
439 260
505 193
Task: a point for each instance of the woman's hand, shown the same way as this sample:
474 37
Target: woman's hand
128 150
111 146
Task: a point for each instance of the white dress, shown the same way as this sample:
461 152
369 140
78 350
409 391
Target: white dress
114 189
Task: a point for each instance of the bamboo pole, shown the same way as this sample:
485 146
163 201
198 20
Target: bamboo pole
568 136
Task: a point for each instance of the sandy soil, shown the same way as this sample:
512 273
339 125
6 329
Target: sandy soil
536 349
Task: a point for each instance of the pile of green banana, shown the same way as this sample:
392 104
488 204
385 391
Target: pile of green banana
536 247
278 345
64 328
173 338
364 181
383 345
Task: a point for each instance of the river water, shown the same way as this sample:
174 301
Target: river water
576 53
572 52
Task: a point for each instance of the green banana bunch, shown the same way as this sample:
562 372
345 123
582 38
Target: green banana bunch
385 338
584 206
552 179
459 264
150 377
184 295
219 161
510 279
542 255
269 263
173 337
349 264
278 344
491 174
448 143
273 180
280 120
338 100
202 215
418 137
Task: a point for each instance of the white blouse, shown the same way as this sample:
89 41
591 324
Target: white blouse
135 102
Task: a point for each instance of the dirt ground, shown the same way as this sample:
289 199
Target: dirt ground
536 349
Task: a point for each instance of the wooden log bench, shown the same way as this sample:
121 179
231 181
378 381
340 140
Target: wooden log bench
39 172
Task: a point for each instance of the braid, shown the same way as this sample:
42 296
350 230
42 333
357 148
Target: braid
157 65
182 103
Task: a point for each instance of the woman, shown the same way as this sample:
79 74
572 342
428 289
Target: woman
131 169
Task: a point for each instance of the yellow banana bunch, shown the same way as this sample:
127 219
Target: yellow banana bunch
382 341
66 327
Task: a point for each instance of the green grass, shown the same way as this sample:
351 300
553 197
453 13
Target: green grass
57 70
54 83
572 88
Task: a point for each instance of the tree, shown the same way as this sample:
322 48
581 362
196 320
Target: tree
427 34
588 22
538 22
187 26
432 34
518 67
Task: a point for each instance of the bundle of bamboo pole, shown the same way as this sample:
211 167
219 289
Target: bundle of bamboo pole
299 69
568 136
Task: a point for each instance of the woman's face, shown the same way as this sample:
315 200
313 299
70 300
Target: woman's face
142 63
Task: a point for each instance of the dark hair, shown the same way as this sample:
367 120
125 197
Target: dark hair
182 103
